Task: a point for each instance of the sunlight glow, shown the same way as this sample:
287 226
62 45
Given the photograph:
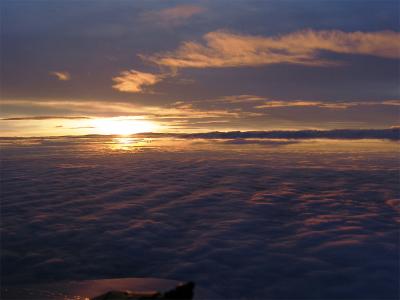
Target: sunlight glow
123 125
130 144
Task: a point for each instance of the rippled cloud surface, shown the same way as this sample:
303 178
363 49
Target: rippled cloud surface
304 219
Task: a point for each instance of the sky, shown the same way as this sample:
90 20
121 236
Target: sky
122 67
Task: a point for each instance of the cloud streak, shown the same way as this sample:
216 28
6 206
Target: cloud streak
45 118
63 76
222 49
260 102
223 114
178 110
327 105
173 16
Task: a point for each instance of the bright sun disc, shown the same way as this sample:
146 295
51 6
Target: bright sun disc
122 126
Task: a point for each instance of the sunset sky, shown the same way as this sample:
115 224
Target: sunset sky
121 67
249 146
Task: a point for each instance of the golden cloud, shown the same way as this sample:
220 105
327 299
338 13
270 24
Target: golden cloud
87 109
63 76
225 49
133 81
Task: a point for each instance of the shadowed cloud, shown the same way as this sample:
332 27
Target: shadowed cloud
173 16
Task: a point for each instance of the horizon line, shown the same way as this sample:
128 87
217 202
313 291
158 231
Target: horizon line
392 133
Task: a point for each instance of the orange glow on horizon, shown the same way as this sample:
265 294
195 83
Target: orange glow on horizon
122 125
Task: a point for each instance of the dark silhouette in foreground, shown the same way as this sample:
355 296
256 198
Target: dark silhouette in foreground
181 292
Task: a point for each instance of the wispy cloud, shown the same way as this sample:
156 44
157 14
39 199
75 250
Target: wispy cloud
262 102
327 105
237 99
173 16
225 49
63 76
175 111
133 81
45 118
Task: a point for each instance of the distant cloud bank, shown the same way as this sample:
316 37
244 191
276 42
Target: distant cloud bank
392 134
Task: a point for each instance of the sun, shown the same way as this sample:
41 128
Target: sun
123 125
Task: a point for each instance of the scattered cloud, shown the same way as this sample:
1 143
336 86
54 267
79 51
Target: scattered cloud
63 76
173 16
225 49
133 81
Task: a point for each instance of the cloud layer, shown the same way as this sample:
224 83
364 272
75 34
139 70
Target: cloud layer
267 222
225 49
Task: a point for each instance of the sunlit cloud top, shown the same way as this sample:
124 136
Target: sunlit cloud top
225 49
134 81
63 76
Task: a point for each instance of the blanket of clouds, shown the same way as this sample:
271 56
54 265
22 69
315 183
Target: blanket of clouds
267 219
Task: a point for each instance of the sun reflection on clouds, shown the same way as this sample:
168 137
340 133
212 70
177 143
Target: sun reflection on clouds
129 144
